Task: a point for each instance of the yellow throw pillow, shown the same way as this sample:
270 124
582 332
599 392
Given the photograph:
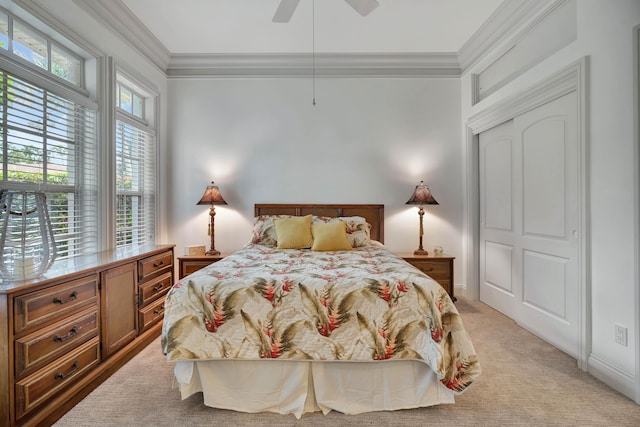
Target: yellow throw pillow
330 236
294 232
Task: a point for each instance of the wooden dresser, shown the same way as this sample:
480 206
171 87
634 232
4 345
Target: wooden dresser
438 267
63 334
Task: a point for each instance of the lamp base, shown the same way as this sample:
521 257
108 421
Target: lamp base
420 252
212 252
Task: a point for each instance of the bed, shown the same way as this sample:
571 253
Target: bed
292 325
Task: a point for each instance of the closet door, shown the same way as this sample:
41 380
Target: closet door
529 244
498 233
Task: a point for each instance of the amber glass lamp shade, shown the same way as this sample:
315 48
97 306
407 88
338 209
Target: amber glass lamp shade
421 196
212 197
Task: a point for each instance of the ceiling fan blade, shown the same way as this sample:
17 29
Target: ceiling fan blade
285 10
363 7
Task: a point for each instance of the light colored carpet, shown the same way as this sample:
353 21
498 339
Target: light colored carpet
525 381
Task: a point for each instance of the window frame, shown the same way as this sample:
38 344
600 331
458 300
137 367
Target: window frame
80 221
143 123
8 53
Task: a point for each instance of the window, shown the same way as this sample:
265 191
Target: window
135 169
130 101
48 143
25 42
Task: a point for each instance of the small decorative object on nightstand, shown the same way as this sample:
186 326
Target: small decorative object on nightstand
195 250
189 264
212 197
439 268
421 196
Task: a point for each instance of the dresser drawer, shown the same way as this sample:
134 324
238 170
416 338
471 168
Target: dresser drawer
39 348
151 314
38 308
155 288
47 382
149 267
434 269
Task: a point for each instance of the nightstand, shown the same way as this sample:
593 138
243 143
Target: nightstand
189 264
438 267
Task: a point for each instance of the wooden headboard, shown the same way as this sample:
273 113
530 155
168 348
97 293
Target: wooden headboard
374 214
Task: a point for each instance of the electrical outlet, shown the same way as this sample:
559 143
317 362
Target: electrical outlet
621 335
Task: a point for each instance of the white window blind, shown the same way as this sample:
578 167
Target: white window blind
48 143
135 183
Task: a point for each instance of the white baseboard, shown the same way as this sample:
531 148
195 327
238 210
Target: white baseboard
613 376
461 291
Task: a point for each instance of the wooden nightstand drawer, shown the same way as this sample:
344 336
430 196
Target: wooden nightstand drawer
190 264
40 307
439 268
45 383
155 288
39 348
435 270
150 267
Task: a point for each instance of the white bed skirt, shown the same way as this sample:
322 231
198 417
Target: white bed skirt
295 387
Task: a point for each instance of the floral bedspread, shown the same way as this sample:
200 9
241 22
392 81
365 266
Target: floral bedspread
362 305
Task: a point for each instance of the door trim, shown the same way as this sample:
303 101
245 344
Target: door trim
573 78
636 192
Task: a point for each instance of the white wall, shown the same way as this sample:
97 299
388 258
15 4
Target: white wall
368 140
605 35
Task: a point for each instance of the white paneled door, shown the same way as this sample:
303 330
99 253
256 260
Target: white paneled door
529 221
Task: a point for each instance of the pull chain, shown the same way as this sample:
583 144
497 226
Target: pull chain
313 52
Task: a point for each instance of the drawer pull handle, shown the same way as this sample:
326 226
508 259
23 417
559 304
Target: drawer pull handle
71 333
158 264
159 311
61 376
73 296
158 287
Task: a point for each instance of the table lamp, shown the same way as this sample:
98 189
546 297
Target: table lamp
212 197
421 196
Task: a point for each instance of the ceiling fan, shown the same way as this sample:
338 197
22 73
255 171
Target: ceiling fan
287 7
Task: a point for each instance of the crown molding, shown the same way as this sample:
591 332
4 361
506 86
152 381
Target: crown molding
123 22
326 65
504 22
